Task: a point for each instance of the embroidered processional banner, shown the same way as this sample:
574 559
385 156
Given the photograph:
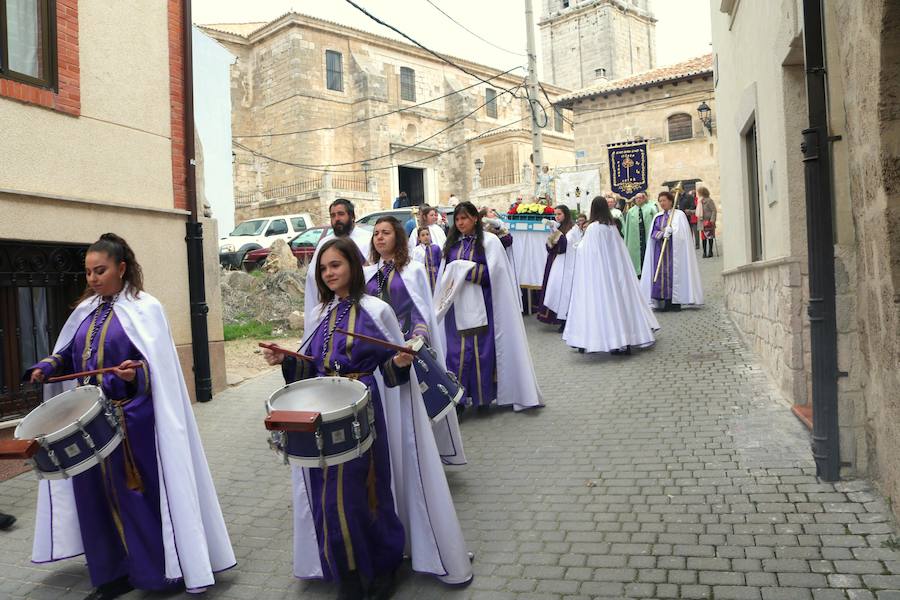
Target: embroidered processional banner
576 190
628 168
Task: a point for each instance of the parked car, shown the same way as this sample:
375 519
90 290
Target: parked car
303 246
260 233
401 214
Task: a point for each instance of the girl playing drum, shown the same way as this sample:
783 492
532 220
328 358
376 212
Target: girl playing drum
154 492
346 523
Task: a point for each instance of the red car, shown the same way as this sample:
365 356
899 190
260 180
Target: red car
302 246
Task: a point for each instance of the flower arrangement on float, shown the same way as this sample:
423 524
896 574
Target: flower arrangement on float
528 210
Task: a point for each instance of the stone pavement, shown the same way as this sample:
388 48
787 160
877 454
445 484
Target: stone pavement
678 472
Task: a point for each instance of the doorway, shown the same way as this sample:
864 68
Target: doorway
412 181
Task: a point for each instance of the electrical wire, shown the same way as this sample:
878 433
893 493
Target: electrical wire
422 46
363 120
555 109
440 10
415 145
641 103
413 162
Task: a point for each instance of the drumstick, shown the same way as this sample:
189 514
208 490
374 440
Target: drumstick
88 373
280 350
380 342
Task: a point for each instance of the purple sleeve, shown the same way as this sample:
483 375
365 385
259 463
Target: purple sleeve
506 240
479 275
57 363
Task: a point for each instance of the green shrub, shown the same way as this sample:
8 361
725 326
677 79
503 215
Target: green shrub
249 329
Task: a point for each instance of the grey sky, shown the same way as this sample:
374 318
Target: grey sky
683 30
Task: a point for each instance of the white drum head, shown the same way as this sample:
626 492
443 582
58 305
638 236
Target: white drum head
333 397
59 412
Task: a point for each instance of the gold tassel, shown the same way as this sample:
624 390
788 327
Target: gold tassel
133 479
370 484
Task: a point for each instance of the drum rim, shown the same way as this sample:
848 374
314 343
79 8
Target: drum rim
358 406
346 456
71 428
88 463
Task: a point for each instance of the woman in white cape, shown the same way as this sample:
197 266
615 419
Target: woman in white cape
477 300
607 312
163 526
676 281
403 284
354 521
560 268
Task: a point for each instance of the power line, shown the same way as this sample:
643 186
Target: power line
555 109
416 144
363 120
413 162
439 9
641 103
422 46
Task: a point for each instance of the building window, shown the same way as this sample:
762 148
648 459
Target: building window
565 3
490 102
38 284
600 73
681 127
407 84
557 120
334 71
28 41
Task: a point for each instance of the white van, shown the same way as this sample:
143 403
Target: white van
260 233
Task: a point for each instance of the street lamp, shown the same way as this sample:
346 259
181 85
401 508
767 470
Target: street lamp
479 164
476 181
365 167
705 116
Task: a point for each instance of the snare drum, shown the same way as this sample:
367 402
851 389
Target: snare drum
345 430
440 388
74 430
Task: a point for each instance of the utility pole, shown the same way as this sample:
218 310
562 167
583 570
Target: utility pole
537 141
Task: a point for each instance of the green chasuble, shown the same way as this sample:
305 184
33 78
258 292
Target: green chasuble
633 233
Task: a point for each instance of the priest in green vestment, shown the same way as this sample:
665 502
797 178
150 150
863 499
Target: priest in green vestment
638 222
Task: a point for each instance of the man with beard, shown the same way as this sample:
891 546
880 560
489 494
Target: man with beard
343 224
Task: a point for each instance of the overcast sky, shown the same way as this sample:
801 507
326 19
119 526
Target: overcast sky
682 30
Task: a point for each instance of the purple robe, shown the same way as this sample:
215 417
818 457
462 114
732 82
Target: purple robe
352 534
432 263
394 292
121 528
544 314
661 288
470 353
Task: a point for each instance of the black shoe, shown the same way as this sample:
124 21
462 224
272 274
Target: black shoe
110 590
351 588
6 521
460 409
581 351
562 327
483 409
383 586
626 351
675 307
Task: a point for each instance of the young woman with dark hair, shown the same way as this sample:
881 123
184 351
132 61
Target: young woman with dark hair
127 543
486 345
606 313
558 270
346 528
403 284
670 277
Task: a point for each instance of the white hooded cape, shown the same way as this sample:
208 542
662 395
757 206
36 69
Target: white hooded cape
363 240
607 311
422 498
686 285
516 382
195 539
559 282
437 236
446 431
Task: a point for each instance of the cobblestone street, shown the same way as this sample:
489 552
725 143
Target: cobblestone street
678 472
